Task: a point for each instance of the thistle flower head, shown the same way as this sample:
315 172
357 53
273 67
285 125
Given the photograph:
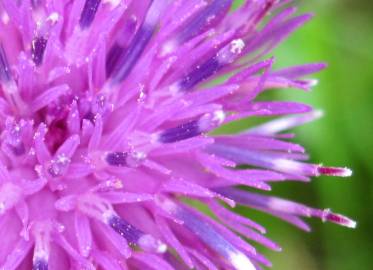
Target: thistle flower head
106 118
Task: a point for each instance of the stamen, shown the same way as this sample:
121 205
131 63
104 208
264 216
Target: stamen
112 58
35 3
13 136
207 233
124 229
5 74
41 232
126 63
118 159
141 39
228 54
181 132
88 13
192 128
59 165
37 49
40 265
136 237
118 48
207 16
132 159
199 74
10 89
100 209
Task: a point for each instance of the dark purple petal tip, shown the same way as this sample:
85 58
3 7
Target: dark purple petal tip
206 17
199 74
5 74
37 49
117 159
181 132
124 229
130 56
89 12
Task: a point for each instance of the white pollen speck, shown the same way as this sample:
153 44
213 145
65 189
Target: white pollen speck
237 46
346 173
219 116
114 3
53 17
313 82
168 48
241 262
60 227
32 152
209 19
162 248
41 255
106 216
174 88
352 224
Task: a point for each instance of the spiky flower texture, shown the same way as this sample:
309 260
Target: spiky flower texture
107 109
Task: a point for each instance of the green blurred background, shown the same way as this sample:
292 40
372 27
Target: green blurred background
340 34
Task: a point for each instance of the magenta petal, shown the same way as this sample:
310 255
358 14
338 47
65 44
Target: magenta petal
19 252
49 96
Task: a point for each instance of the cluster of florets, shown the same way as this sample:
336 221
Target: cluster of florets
106 119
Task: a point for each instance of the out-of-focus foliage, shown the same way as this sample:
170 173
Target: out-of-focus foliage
341 34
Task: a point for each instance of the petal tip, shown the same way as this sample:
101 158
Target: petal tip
335 171
338 219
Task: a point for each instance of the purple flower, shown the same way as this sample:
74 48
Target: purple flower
106 111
